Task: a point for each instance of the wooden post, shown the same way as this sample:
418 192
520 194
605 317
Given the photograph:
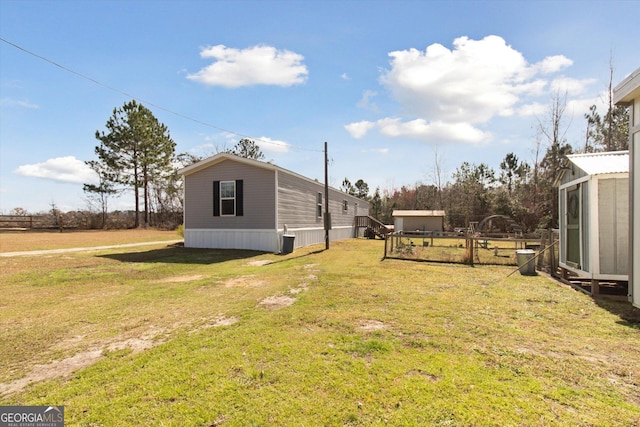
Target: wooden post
543 245
470 252
385 248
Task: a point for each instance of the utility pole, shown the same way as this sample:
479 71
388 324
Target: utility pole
327 215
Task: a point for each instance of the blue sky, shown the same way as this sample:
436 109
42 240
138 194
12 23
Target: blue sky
388 84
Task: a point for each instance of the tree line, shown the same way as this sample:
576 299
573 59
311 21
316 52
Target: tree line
526 192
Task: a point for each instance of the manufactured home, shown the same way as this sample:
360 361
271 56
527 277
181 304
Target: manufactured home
231 202
628 93
594 216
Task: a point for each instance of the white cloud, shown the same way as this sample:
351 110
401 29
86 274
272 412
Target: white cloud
422 130
553 64
272 145
437 130
532 109
570 86
345 76
445 94
359 129
61 169
257 65
475 81
9 102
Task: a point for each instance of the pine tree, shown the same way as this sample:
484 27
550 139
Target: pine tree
137 150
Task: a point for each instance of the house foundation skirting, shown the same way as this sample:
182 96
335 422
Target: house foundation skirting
256 240
313 236
260 240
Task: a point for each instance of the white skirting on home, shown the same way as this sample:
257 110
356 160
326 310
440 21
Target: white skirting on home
256 240
260 240
313 236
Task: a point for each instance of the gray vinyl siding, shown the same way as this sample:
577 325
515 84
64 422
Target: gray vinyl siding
297 203
258 197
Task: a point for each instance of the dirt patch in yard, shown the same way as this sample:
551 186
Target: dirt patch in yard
276 302
243 281
216 322
180 279
65 367
372 325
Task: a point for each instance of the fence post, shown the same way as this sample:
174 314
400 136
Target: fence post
385 247
470 250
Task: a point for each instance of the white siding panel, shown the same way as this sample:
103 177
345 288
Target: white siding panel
257 240
314 236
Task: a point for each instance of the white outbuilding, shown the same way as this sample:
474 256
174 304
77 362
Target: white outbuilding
594 217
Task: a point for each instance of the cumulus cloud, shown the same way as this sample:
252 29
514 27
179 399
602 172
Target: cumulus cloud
257 65
475 81
447 94
61 169
359 129
553 64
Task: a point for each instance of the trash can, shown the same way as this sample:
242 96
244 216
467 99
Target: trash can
526 265
287 243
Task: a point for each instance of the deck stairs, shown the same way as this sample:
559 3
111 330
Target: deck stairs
372 227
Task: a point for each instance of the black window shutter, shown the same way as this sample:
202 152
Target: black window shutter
239 202
216 198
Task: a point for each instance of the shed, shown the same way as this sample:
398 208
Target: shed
418 220
231 202
628 93
594 216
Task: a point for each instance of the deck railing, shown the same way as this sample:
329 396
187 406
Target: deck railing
372 226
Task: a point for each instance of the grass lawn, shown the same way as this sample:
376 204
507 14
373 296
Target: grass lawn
170 336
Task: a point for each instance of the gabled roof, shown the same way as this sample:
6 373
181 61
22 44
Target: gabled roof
601 163
416 213
220 157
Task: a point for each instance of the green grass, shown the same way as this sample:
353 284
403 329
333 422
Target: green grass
366 342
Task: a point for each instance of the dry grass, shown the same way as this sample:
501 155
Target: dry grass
175 336
16 241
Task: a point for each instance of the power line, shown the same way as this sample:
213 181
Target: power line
128 95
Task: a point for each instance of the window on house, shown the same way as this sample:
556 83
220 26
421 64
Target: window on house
228 198
345 205
319 206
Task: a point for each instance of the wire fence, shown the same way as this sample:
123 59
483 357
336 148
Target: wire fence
470 250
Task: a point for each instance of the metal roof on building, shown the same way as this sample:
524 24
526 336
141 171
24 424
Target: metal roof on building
601 163
417 213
